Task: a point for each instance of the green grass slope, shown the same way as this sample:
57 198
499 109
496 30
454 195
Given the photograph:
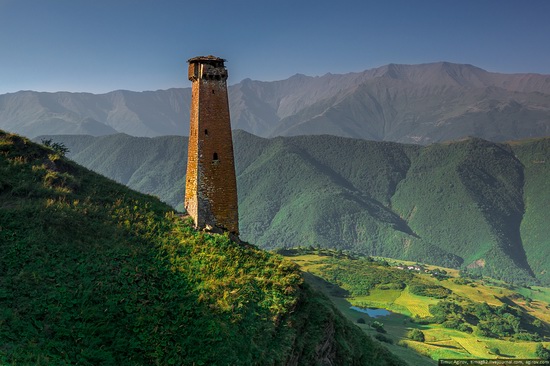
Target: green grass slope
472 204
94 273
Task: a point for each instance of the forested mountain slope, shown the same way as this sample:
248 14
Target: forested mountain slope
472 204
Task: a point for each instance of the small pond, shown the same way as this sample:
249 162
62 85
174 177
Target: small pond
373 313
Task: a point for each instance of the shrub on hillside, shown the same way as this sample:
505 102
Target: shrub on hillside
444 310
58 147
417 335
452 323
423 289
383 338
542 353
378 326
463 327
524 336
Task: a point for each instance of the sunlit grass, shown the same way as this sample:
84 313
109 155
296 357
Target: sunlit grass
417 305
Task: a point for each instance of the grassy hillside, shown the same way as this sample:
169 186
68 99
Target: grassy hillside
94 273
471 204
458 317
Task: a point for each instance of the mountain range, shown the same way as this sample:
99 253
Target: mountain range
404 103
471 204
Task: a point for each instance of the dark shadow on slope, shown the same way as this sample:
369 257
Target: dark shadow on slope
496 185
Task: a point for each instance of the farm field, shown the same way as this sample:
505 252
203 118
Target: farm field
340 279
417 305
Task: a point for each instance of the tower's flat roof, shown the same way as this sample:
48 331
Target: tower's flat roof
206 58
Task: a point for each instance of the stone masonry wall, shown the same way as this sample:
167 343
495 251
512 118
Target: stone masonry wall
211 186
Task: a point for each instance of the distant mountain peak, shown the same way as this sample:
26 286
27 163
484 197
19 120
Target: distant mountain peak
422 103
392 71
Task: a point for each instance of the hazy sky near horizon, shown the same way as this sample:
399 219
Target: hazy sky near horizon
102 45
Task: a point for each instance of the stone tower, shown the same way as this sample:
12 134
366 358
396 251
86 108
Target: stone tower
211 184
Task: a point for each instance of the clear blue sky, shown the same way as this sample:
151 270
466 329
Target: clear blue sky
103 45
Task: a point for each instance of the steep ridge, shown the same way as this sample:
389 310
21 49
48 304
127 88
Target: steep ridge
94 273
477 198
471 204
534 229
405 103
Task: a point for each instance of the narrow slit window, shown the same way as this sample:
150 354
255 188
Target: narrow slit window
215 156
206 132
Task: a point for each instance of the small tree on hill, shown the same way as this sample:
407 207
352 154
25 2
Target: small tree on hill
542 352
417 335
378 326
58 147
